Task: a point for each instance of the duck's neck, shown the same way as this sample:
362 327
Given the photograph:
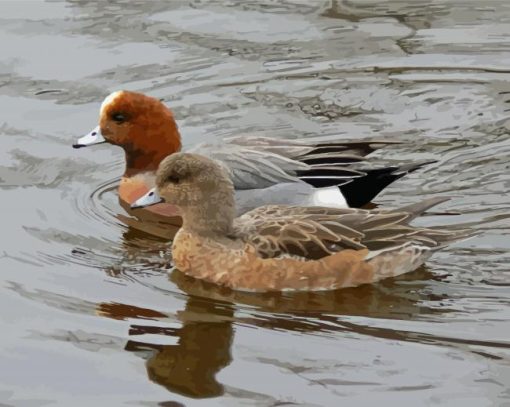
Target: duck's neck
213 216
145 156
139 161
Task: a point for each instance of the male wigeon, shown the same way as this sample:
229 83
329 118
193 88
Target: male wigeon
263 170
281 247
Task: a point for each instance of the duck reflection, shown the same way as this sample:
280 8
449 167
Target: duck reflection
203 345
190 367
206 331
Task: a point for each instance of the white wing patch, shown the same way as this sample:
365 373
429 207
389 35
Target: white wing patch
331 197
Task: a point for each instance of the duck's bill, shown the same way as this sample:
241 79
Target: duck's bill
150 198
94 137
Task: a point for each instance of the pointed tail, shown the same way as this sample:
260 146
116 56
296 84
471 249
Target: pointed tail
364 189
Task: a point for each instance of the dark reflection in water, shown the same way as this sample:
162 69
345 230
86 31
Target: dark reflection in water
80 273
202 350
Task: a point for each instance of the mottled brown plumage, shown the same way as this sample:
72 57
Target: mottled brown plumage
276 248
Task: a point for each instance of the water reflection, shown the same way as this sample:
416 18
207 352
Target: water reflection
431 74
203 345
190 367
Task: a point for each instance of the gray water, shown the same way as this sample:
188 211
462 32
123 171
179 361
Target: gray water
90 315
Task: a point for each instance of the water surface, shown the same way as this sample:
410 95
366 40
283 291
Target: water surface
90 314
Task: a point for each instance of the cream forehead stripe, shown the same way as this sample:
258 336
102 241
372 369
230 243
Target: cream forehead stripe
110 99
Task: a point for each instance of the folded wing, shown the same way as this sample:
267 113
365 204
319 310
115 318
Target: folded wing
316 232
259 162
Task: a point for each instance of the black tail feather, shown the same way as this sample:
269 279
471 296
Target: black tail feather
363 190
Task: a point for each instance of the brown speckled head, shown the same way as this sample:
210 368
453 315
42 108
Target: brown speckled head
143 126
186 179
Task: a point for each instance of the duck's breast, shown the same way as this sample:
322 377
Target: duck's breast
132 188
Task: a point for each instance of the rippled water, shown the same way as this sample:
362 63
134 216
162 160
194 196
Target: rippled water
90 314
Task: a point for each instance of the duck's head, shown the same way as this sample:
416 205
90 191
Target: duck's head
142 125
186 179
200 187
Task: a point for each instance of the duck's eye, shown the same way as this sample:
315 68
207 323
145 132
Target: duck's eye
173 179
118 118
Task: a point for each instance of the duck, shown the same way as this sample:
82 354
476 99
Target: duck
264 170
287 247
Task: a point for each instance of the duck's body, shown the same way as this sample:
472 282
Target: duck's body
277 247
238 266
262 169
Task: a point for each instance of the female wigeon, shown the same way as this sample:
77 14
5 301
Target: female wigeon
279 247
263 170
